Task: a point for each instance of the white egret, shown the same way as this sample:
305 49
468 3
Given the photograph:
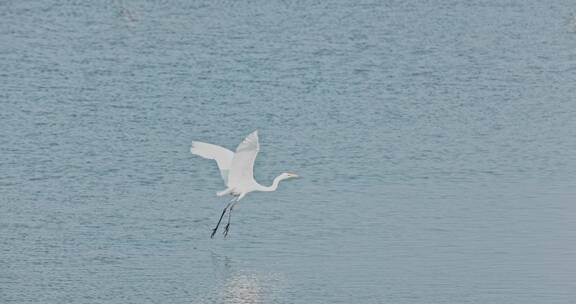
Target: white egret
237 170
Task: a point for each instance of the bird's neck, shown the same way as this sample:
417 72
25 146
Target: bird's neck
273 187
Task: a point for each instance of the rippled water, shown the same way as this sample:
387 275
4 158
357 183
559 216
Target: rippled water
436 140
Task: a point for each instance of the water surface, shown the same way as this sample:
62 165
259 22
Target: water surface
435 139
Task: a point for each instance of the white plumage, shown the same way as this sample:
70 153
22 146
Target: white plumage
222 156
237 170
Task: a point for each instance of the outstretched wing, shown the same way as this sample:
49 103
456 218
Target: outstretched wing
242 167
222 156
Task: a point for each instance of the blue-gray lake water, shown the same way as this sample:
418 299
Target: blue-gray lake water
436 141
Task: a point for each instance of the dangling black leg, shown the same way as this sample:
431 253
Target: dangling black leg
227 228
221 216
216 228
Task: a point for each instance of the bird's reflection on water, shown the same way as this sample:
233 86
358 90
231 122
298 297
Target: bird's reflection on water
241 288
242 285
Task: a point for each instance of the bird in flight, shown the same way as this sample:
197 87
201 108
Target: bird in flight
237 170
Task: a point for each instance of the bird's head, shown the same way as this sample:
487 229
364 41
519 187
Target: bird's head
287 175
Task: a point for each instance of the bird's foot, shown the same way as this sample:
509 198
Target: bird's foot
226 229
213 232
